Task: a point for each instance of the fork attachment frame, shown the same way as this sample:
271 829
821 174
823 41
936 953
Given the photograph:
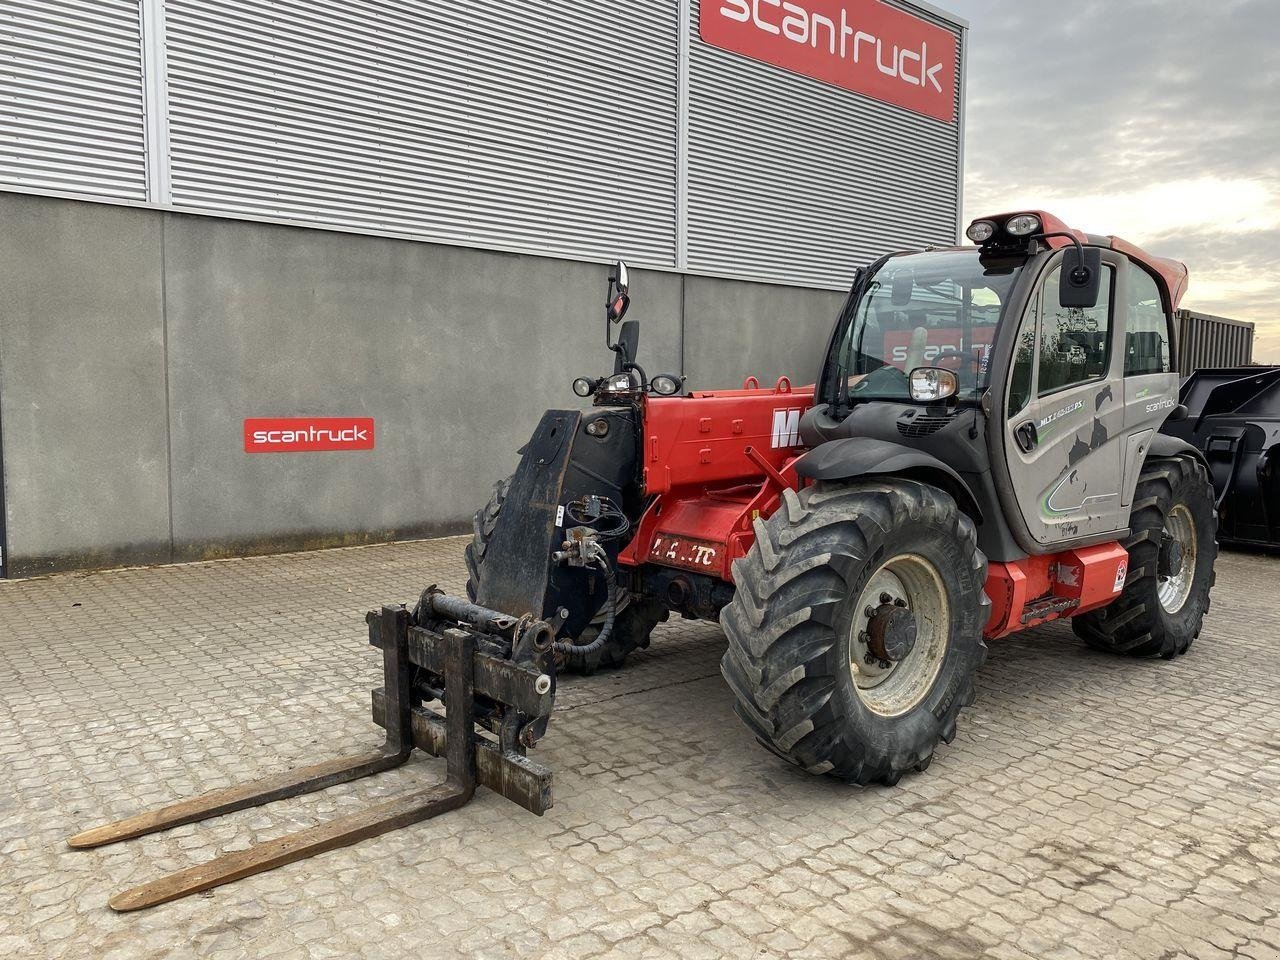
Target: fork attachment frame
457 652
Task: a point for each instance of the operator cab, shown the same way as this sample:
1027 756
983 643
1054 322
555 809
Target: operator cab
1034 366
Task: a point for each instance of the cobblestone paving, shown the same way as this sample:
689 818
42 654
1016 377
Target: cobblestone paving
1090 806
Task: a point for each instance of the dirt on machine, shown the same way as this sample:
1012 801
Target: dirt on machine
981 452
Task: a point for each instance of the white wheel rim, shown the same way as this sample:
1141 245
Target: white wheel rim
1175 590
893 690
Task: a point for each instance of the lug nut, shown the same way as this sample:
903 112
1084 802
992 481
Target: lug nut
885 598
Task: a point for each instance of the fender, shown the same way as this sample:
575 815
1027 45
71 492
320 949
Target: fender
1165 447
855 457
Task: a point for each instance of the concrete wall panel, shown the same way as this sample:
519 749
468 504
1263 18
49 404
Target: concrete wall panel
454 353
734 329
82 385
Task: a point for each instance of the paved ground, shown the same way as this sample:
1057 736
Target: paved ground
1089 807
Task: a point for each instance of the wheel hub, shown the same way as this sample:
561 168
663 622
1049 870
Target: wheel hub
1172 556
892 632
1176 562
899 635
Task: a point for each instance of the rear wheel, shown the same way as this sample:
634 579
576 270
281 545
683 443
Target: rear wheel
856 627
1172 546
633 622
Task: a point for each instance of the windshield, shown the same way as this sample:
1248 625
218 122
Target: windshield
939 309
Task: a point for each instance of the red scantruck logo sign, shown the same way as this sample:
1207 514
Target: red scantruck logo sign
941 343
307 434
862 45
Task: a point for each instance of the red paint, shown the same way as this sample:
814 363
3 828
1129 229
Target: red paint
307 434
1084 579
706 487
861 45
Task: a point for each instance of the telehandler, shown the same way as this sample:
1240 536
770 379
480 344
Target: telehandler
980 454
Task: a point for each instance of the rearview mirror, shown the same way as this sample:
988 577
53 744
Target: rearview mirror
619 292
1081 281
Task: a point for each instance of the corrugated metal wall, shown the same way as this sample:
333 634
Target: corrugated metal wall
796 180
71 102
484 124
468 123
1209 341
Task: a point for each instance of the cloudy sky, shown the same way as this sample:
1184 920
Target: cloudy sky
1156 120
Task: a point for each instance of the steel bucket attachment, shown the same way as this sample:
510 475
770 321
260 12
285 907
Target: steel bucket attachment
1233 418
488 670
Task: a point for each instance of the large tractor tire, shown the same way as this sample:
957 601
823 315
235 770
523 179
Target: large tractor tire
633 622
1172 546
856 627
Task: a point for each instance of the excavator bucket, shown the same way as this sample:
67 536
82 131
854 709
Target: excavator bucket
488 669
1233 418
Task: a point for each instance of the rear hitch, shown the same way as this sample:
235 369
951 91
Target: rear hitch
487 667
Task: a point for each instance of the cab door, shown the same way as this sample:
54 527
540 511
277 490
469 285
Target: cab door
1150 381
1065 440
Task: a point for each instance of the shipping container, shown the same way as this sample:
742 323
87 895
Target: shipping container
1208 341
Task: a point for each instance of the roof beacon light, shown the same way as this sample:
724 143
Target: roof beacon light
1023 225
980 231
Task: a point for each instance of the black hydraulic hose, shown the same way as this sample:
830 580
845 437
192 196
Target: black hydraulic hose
565 647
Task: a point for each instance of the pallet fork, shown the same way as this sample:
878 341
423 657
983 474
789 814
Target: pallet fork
488 668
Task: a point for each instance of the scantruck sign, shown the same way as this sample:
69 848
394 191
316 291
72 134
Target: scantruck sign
307 434
862 45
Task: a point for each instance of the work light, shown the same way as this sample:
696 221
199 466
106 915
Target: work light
1023 225
980 231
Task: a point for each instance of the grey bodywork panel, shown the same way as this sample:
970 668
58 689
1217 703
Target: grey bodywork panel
1076 483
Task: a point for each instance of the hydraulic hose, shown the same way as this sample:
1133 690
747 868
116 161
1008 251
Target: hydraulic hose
610 611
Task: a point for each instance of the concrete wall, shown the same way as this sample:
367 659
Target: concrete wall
134 343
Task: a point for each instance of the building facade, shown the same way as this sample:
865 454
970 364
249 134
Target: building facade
219 211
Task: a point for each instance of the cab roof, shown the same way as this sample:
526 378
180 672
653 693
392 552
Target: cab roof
1172 274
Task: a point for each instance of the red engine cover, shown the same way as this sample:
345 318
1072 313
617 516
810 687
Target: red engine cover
714 461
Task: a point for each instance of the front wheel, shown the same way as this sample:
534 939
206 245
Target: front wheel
1172 546
856 627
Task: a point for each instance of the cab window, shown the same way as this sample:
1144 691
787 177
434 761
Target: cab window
1075 343
1146 339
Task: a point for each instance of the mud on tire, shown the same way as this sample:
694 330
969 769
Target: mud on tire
632 625
1175 495
792 624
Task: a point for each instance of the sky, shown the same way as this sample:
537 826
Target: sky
1155 120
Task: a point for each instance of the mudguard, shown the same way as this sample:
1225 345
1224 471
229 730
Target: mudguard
855 457
1164 446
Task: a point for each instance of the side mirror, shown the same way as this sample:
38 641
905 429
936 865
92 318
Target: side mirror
619 296
1080 284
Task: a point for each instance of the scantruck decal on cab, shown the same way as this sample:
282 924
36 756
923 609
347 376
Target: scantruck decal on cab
307 434
865 46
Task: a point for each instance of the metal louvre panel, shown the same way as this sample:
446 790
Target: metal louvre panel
795 180
485 123
71 100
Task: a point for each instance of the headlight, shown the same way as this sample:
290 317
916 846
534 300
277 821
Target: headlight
1023 225
584 387
980 231
618 383
929 384
665 384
